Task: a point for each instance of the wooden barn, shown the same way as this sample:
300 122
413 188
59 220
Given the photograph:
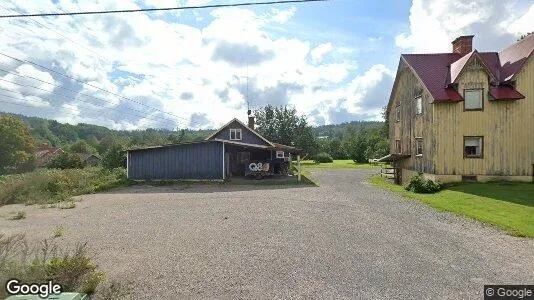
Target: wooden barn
464 115
234 150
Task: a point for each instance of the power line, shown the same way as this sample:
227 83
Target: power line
162 121
30 100
93 86
62 35
158 9
80 93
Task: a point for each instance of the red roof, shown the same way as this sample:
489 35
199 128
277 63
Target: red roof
505 93
438 71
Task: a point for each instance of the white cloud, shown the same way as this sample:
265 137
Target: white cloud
522 25
195 75
282 16
434 24
320 51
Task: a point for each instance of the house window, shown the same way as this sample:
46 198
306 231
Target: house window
235 134
418 105
279 154
473 99
397 113
418 147
398 146
473 146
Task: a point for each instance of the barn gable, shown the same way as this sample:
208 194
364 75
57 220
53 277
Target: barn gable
248 136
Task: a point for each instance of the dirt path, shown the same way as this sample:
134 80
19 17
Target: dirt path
344 239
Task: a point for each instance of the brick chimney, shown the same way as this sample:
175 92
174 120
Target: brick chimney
251 122
463 44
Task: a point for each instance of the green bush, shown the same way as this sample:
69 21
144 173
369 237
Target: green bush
54 185
73 270
418 184
323 158
66 161
114 158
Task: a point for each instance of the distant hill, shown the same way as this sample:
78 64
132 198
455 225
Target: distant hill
339 130
59 134
63 135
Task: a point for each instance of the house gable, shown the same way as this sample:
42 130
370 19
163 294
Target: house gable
248 136
470 62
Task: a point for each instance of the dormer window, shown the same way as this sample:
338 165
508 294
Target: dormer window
235 134
473 99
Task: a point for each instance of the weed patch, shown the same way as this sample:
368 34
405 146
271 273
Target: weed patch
52 186
18 215
73 269
59 231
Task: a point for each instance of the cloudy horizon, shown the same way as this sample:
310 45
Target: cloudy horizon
333 61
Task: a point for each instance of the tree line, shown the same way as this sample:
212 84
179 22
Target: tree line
359 141
21 135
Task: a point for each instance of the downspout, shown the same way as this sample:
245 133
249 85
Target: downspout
223 163
127 164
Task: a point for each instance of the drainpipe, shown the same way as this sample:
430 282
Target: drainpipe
224 163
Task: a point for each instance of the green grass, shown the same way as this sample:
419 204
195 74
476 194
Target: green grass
507 205
337 164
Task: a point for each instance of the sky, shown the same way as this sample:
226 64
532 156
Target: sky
334 61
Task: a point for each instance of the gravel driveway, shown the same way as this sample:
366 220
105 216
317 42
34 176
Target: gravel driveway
344 239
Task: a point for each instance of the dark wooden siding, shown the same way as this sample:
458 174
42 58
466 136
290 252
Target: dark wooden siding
412 126
189 161
247 136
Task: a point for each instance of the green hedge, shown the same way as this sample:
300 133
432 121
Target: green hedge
323 158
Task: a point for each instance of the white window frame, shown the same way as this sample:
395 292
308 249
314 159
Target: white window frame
479 92
418 141
419 105
480 145
278 153
235 132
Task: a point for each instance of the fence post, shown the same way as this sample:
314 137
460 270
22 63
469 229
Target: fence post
298 167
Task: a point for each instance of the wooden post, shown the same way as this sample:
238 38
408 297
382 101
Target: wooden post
298 167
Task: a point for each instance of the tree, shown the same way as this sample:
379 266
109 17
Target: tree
114 158
17 146
66 161
356 146
82 147
283 125
385 127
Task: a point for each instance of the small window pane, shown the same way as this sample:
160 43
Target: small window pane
397 113
473 146
418 147
418 105
473 99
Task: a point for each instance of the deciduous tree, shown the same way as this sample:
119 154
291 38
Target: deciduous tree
17 146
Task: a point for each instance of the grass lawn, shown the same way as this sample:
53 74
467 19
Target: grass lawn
337 164
508 205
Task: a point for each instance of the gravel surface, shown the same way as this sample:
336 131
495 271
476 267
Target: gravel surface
344 239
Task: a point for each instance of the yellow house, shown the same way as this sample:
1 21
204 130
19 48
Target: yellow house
464 115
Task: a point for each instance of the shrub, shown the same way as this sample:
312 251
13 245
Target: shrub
73 270
51 186
66 161
418 184
323 158
114 158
